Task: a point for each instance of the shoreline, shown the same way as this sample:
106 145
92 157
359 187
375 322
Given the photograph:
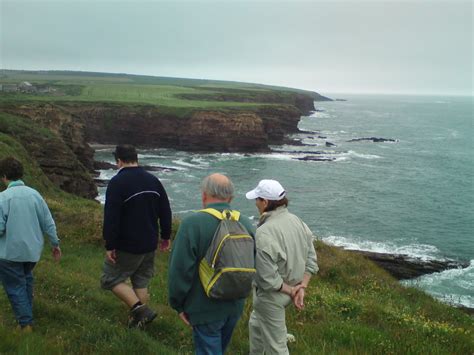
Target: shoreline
404 267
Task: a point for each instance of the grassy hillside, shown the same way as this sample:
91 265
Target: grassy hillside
352 306
161 91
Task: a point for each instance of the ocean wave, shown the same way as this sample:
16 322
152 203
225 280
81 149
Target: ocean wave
420 251
320 114
170 167
363 156
277 156
107 174
152 156
453 286
189 165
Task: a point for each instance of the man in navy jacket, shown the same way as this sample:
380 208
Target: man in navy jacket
134 202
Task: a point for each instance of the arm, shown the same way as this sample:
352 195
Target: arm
182 267
3 220
113 205
47 224
311 259
268 278
48 227
310 269
165 217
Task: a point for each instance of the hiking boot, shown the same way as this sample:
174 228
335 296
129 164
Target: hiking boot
140 316
25 328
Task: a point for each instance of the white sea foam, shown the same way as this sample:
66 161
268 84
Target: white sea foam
101 198
320 114
277 156
151 156
189 165
421 251
107 174
453 286
169 167
363 156
311 142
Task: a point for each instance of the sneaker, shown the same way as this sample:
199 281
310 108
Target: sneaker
140 316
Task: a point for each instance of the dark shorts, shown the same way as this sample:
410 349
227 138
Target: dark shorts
140 268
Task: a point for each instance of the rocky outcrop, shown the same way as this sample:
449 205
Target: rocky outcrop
373 139
56 158
403 267
315 158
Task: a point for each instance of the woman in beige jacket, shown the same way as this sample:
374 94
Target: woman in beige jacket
285 261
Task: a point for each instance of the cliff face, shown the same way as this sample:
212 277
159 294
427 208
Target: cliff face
203 130
63 155
68 159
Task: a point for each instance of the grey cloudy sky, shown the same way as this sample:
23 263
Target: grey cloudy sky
329 46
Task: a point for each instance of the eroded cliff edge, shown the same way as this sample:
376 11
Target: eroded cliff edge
68 160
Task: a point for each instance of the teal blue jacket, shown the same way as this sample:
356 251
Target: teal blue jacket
185 291
24 218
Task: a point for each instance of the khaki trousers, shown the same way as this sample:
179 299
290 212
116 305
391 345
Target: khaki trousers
267 326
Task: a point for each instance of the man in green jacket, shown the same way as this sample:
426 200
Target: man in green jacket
24 217
213 321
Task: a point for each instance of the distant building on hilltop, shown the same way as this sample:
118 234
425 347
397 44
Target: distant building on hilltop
26 87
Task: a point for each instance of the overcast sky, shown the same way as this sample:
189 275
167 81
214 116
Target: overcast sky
328 46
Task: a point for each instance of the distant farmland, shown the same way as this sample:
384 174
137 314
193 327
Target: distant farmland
130 89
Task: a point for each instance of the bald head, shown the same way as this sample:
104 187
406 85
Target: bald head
218 187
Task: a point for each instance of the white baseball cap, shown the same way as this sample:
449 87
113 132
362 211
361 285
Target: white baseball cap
268 190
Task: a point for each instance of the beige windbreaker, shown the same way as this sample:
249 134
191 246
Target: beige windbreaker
285 250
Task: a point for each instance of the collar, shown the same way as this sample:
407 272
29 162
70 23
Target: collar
15 183
128 168
272 214
220 206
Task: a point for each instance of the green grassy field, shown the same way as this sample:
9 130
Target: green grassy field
352 306
134 89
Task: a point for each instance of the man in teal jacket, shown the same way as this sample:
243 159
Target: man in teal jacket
24 217
213 321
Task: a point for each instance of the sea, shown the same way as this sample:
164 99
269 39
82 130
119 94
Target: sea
411 194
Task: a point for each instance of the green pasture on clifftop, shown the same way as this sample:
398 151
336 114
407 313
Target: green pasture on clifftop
136 89
352 306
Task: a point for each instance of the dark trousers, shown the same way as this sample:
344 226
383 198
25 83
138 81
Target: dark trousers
17 280
213 338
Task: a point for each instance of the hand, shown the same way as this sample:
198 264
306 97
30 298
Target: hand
165 245
184 318
295 289
111 256
56 253
298 300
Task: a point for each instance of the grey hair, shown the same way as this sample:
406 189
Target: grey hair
221 190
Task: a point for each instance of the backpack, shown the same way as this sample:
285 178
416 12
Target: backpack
228 268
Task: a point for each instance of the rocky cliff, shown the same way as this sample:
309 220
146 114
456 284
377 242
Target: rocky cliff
60 152
68 159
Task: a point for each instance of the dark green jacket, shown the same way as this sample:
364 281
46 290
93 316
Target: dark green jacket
184 286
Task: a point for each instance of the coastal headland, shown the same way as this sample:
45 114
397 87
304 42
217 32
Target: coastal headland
353 306
184 114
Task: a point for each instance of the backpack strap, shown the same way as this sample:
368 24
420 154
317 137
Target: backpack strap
234 215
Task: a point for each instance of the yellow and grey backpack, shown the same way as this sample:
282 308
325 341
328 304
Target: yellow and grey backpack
228 268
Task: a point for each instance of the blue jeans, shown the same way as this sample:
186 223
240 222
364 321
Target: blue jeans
17 281
213 338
